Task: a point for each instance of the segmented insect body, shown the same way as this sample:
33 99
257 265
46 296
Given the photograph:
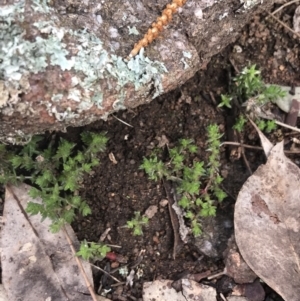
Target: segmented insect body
157 26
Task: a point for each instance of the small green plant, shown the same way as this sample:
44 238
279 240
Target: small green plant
137 223
225 101
197 183
55 174
267 126
250 90
240 123
92 250
248 83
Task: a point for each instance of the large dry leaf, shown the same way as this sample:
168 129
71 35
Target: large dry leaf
36 264
267 217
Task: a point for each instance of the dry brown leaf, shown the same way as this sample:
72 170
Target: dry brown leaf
267 223
36 264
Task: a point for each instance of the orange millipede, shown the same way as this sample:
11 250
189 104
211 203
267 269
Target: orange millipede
157 26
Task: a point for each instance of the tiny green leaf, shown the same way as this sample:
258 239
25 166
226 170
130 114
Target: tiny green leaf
225 101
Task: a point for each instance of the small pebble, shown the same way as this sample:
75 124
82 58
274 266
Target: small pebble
163 203
224 173
114 264
155 239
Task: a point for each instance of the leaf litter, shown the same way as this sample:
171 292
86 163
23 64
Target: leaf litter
267 222
37 264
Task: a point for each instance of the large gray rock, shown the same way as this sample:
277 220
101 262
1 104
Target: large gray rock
62 63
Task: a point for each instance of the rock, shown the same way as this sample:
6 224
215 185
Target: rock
162 290
69 77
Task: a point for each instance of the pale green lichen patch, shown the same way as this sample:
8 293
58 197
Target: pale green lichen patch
20 57
146 72
97 99
133 30
40 6
187 55
84 53
57 97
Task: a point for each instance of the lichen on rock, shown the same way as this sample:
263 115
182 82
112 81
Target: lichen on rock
61 68
43 45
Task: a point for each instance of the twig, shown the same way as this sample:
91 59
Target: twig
114 246
291 134
103 271
217 274
287 126
174 220
122 121
237 71
241 144
104 235
292 152
256 147
284 25
284 5
118 284
79 263
205 189
139 259
213 99
246 161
